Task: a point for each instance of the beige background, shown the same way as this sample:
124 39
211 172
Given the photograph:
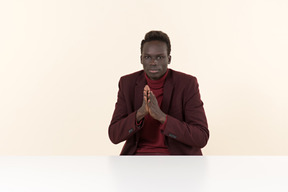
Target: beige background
60 62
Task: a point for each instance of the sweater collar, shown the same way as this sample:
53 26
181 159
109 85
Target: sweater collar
156 84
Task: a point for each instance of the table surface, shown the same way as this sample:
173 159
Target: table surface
143 173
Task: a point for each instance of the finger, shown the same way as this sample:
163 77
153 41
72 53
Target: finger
145 97
145 93
148 97
153 98
151 95
145 100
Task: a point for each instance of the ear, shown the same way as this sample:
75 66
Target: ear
169 59
141 60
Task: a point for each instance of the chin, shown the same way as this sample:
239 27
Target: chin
154 77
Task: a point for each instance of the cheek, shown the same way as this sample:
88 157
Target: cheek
144 66
164 65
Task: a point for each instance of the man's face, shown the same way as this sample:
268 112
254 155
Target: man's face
155 59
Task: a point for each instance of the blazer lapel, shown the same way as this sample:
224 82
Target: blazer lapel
140 84
167 92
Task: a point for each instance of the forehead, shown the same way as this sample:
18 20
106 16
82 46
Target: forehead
155 47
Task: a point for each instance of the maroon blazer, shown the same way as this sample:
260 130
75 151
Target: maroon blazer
186 129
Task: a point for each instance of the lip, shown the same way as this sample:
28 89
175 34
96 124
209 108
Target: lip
153 70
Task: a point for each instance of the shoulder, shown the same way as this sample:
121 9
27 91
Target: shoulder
131 80
185 85
180 77
132 76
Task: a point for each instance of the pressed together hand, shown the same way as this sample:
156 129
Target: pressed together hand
150 106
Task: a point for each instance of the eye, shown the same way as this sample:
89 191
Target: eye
160 57
146 57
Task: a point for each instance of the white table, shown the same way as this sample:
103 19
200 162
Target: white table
143 173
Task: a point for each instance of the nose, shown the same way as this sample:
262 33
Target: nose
154 61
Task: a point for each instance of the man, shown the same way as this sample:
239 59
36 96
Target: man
158 111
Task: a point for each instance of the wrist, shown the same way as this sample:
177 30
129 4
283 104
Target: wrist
163 118
139 116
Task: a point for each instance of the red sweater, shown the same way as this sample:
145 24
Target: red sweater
151 140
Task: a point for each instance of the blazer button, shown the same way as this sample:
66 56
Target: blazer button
171 135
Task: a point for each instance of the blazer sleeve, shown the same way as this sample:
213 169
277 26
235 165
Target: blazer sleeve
123 124
189 128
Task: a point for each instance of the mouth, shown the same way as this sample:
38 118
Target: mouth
153 70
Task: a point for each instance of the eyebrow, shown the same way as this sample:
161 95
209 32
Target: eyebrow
160 54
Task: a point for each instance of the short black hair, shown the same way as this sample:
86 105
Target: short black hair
157 36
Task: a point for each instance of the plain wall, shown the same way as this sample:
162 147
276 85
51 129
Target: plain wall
60 63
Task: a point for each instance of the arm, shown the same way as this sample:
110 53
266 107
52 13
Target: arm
123 124
192 129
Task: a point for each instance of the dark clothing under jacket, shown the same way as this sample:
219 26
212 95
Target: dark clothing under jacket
186 130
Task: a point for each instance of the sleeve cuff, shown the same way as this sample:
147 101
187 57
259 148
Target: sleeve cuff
163 126
139 124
